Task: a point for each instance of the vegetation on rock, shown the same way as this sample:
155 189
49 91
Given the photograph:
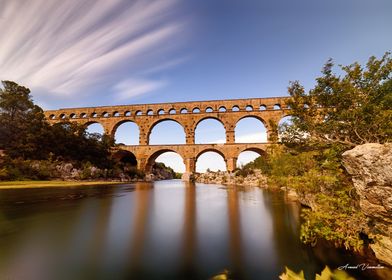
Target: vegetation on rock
337 114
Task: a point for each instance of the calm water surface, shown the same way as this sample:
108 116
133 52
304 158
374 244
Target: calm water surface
162 230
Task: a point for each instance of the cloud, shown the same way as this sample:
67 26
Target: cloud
69 47
133 87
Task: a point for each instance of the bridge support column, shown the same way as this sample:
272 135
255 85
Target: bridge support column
142 164
143 138
190 168
231 164
230 136
190 137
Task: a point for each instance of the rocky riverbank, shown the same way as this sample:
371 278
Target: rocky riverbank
255 178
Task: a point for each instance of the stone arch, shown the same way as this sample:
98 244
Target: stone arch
249 108
197 123
277 106
125 157
264 126
196 110
256 150
214 150
260 151
127 113
183 111
235 108
83 115
209 110
115 114
222 109
263 107
149 112
172 111
160 112
151 158
150 129
284 121
52 117
118 124
62 116
87 124
72 116
105 115
139 113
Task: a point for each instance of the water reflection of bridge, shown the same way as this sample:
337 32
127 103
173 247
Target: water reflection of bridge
187 114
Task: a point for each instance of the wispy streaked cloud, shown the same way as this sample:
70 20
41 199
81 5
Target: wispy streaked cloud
73 46
133 87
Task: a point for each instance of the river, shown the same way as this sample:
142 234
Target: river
162 230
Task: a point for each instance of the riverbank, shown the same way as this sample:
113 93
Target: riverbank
49 184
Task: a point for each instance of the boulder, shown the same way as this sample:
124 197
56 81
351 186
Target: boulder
370 166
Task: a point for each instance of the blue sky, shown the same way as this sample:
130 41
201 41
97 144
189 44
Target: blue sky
97 52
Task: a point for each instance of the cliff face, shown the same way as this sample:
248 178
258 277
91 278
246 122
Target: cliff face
371 168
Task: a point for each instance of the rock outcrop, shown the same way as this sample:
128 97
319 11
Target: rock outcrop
255 179
370 166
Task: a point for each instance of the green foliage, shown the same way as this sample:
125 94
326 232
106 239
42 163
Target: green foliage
319 178
351 109
26 135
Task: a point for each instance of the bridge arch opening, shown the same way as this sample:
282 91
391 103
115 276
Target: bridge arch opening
250 129
209 110
94 128
249 108
210 130
125 157
283 126
212 160
127 162
126 132
248 156
222 109
166 131
169 158
235 108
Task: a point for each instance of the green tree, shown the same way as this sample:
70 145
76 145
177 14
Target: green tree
21 122
25 134
349 109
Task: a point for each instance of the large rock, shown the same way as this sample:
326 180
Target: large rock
371 168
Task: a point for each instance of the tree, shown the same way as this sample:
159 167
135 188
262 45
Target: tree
21 122
25 134
351 109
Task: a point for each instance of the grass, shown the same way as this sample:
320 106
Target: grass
48 184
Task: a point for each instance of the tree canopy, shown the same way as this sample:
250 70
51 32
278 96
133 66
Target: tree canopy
350 109
24 132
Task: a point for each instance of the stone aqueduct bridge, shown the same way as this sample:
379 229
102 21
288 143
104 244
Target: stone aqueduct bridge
188 115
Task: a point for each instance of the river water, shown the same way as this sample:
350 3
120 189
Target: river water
162 230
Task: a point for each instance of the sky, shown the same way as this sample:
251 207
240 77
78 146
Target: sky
73 53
